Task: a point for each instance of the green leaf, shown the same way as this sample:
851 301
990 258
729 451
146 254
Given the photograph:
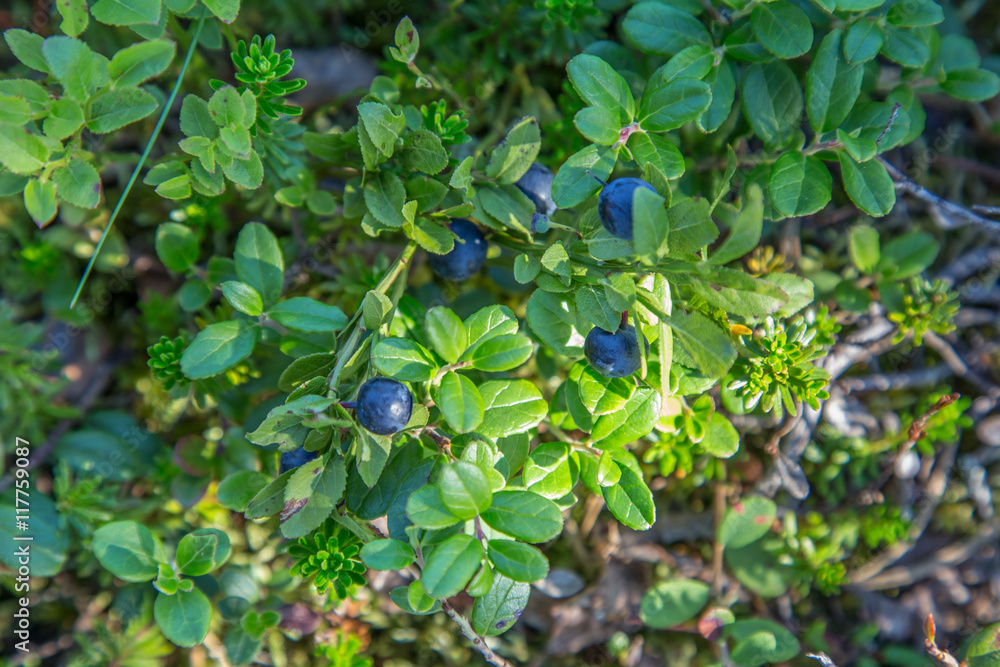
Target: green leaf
601 86
490 322
225 10
973 85
635 420
631 501
373 453
75 16
758 569
700 344
659 29
498 610
40 201
512 406
128 550
178 187
500 353
202 551
757 642
407 39
694 61
259 262
508 205
50 544
313 490
869 120
691 227
140 62
524 515
518 561
656 151
242 297
26 47
464 489
832 86
126 12
799 184
600 125
722 81
601 395
461 178
226 107
387 554
115 109
868 185
782 28
425 508
651 226
185 617
915 13
195 118
459 401
423 152
450 566
905 47
573 184
772 102
516 152
21 152
721 440
176 246
303 313
673 602
745 228
746 522
237 489
863 244
381 126
218 347
446 332
908 255
547 471
385 196
375 308
594 307
984 648
860 148
404 360
673 104
862 41
76 66
283 424
64 119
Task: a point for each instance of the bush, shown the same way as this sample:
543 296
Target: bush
656 258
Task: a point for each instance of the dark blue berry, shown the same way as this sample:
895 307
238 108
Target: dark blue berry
384 406
613 355
465 259
537 185
614 206
295 458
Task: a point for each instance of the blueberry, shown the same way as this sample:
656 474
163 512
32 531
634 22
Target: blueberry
384 406
465 258
613 355
614 206
295 458
537 184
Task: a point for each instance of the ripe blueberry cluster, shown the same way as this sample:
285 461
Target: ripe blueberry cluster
537 185
468 255
295 458
614 206
384 406
613 355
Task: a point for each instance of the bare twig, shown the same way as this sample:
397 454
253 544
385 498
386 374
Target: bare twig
719 505
950 211
478 642
930 644
822 658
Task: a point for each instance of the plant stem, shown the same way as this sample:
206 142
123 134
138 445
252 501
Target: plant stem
477 642
142 160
